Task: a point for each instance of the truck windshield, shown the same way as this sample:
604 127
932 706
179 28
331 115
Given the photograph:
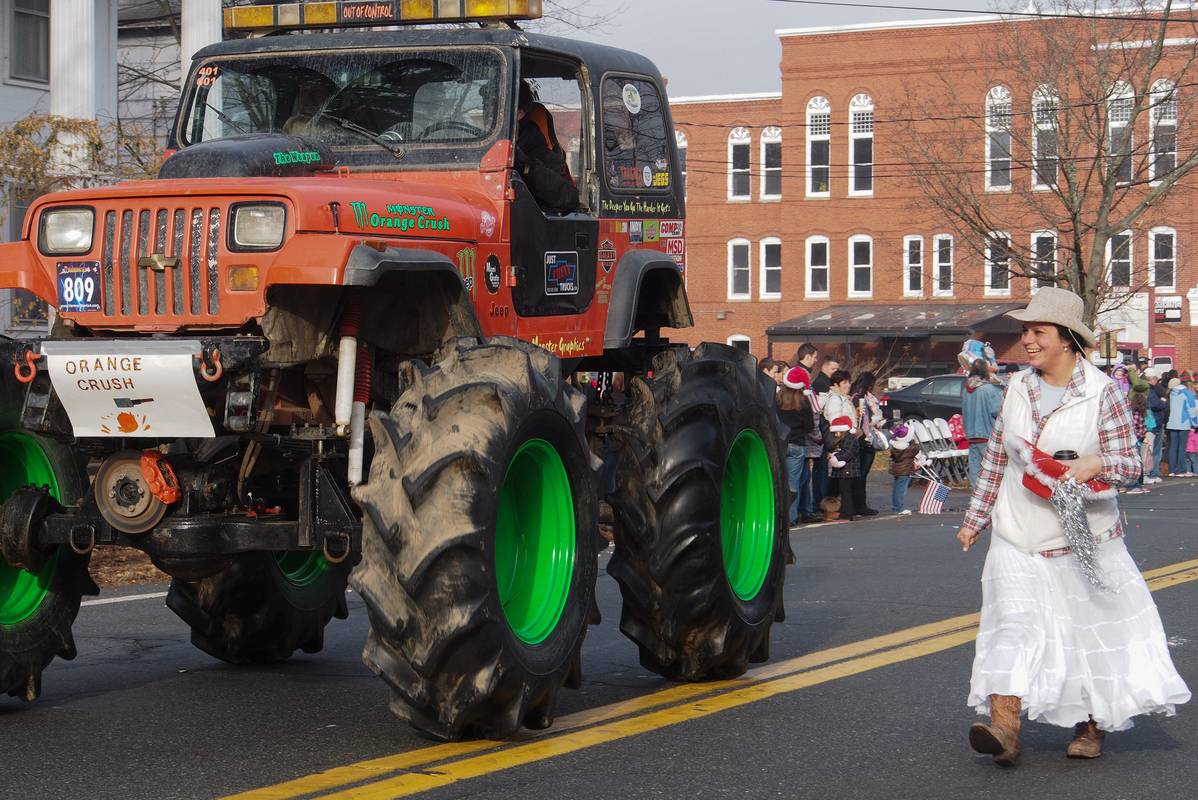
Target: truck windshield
369 102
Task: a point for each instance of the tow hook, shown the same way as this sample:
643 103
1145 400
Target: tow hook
20 517
160 477
25 373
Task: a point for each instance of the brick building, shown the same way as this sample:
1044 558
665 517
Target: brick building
805 223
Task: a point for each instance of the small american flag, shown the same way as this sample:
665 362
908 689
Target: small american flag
933 498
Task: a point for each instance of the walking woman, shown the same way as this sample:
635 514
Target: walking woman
1070 638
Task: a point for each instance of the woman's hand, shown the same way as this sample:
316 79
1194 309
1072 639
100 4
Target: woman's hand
967 537
1084 468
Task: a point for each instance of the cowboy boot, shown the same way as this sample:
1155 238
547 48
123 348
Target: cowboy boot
1001 737
1087 741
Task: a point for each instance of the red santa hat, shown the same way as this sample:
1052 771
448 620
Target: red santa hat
840 424
797 378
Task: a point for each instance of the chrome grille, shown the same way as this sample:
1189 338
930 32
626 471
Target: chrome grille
192 235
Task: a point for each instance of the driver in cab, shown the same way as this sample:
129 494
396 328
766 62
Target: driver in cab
540 159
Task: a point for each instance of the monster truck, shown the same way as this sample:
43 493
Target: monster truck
334 343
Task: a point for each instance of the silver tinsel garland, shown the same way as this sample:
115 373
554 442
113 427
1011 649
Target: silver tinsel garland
1068 498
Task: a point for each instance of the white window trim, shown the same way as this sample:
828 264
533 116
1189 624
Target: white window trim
862 102
807 292
861 237
739 337
681 143
818 105
1152 234
907 266
740 136
998 94
990 291
1032 287
1041 95
935 265
1160 90
1131 264
771 135
1121 91
761 270
749 248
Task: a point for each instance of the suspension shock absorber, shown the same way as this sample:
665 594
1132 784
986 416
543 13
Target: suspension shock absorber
347 357
363 376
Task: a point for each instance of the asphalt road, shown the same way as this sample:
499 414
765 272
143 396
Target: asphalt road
142 714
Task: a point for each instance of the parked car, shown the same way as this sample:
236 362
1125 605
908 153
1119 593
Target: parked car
938 396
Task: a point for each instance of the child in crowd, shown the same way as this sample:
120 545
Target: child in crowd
1192 452
843 446
905 458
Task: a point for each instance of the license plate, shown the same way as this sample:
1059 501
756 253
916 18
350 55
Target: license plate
78 286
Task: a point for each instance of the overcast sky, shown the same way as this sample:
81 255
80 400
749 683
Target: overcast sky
729 46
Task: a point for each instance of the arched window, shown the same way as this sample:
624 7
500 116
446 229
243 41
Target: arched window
1118 256
1162 255
1163 124
998 265
740 270
682 143
1120 104
942 250
741 342
817 267
912 266
861 145
998 139
861 266
770 285
1044 259
1045 110
740 142
819 147
771 163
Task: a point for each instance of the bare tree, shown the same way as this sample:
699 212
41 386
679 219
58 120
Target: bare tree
1078 115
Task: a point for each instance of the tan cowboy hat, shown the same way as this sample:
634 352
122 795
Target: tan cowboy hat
1057 307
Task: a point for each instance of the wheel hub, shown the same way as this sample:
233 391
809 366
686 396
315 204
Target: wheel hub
747 515
22 592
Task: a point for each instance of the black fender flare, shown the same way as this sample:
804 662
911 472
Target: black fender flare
367 267
631 310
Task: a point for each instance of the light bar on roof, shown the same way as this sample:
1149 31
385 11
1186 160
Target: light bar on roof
356 13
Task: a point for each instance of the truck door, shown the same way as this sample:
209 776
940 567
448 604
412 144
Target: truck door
555 253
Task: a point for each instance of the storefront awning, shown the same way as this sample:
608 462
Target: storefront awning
864 322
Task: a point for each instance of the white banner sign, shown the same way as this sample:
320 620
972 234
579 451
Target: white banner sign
129 389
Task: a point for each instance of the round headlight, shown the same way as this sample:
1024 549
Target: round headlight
67 231
259 227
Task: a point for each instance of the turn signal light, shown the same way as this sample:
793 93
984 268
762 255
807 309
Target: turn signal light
243 279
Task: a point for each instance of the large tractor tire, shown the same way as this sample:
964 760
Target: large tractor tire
37 609
701 540
263 606
479 541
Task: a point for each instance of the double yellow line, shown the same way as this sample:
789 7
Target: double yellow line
428 768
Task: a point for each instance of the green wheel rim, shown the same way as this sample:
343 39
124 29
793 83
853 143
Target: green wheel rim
534 541
301 568
747 515
22 593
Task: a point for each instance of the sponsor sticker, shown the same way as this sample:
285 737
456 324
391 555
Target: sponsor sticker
647 176
78 286
561 273
676 247
632 99
652 227
607 255
466 260
487 224
492 274
636 231
671 228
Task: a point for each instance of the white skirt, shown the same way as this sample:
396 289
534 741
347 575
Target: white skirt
1068 650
